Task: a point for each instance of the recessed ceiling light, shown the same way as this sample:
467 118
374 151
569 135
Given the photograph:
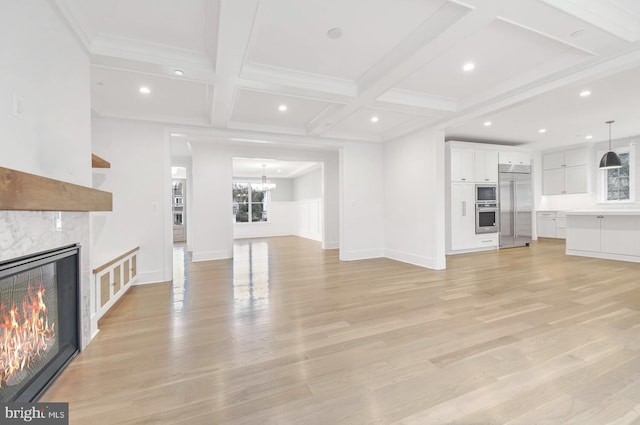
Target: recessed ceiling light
144 90
585 93
374 119
542 130
588 136
282 108
279 171
487 123
178 72
468 66
334 33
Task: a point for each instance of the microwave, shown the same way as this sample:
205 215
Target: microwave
486 193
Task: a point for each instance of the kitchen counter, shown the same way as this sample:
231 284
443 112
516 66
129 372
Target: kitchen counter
603 212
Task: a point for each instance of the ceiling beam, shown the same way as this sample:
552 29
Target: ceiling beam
439 32
235 25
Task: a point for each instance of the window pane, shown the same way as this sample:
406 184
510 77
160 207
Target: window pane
618 180
258 212
257 195
242 214
240 192
624 171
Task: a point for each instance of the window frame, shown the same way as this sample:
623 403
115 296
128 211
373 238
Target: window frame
603 177
266 200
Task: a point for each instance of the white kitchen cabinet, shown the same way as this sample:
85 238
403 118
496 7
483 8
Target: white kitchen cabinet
564 172
462 165
487 240
583 233
517 158
546 225
620 235
486 166
463 219
611 235
552 224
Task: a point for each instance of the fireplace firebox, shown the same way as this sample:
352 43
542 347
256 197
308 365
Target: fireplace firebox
39 321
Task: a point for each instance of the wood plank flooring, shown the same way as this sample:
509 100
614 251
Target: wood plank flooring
287 334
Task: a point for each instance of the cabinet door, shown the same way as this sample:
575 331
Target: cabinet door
575 179
553 181
621 234
583 233
553 160
521 158
463 220
462 165
546 227
486 166
575 157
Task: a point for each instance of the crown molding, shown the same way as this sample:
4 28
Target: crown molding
606 15
421 100
299 79
137 50
74 20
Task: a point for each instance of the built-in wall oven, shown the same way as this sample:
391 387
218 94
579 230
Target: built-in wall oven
487 217
487 210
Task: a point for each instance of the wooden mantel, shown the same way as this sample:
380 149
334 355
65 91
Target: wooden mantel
28 192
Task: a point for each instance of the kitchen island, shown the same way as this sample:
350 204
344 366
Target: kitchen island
608 234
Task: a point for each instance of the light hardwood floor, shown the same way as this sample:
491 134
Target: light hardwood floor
287 334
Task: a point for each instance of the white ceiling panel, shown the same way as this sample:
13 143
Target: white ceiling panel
360 122
567 117
116 93
261 108
181 24
292 34
500 51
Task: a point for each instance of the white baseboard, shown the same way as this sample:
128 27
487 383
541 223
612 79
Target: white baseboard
211 255
153 276
364 254
603 255
331 245
416 260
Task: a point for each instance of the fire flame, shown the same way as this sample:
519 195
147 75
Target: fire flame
25 334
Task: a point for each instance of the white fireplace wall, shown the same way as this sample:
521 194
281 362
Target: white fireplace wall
46 68
29 232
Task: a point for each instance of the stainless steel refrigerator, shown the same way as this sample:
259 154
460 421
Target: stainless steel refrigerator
515 201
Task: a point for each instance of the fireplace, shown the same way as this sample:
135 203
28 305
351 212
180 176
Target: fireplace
39 321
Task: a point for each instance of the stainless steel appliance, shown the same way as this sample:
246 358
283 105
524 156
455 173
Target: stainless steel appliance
486 217
486 193
516 200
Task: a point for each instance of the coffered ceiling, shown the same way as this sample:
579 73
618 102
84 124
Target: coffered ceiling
372 70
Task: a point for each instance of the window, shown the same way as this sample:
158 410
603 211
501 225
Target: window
249 203
618 182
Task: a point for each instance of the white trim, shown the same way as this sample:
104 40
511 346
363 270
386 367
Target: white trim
604 255
331 245
363 254
406 257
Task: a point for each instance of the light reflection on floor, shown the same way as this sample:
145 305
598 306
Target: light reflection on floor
251 273
180 259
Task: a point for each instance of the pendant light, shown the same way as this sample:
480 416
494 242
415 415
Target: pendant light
610 159
266 186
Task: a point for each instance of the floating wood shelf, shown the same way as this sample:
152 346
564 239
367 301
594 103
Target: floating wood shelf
97 162
28 192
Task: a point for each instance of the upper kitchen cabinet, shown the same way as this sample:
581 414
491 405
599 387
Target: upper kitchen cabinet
515 158
564 172
462 165
486 166
468 165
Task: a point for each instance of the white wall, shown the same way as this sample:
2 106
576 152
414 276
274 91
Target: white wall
44 65
140 181
361 206
211 203
282 222
308 186
414 199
